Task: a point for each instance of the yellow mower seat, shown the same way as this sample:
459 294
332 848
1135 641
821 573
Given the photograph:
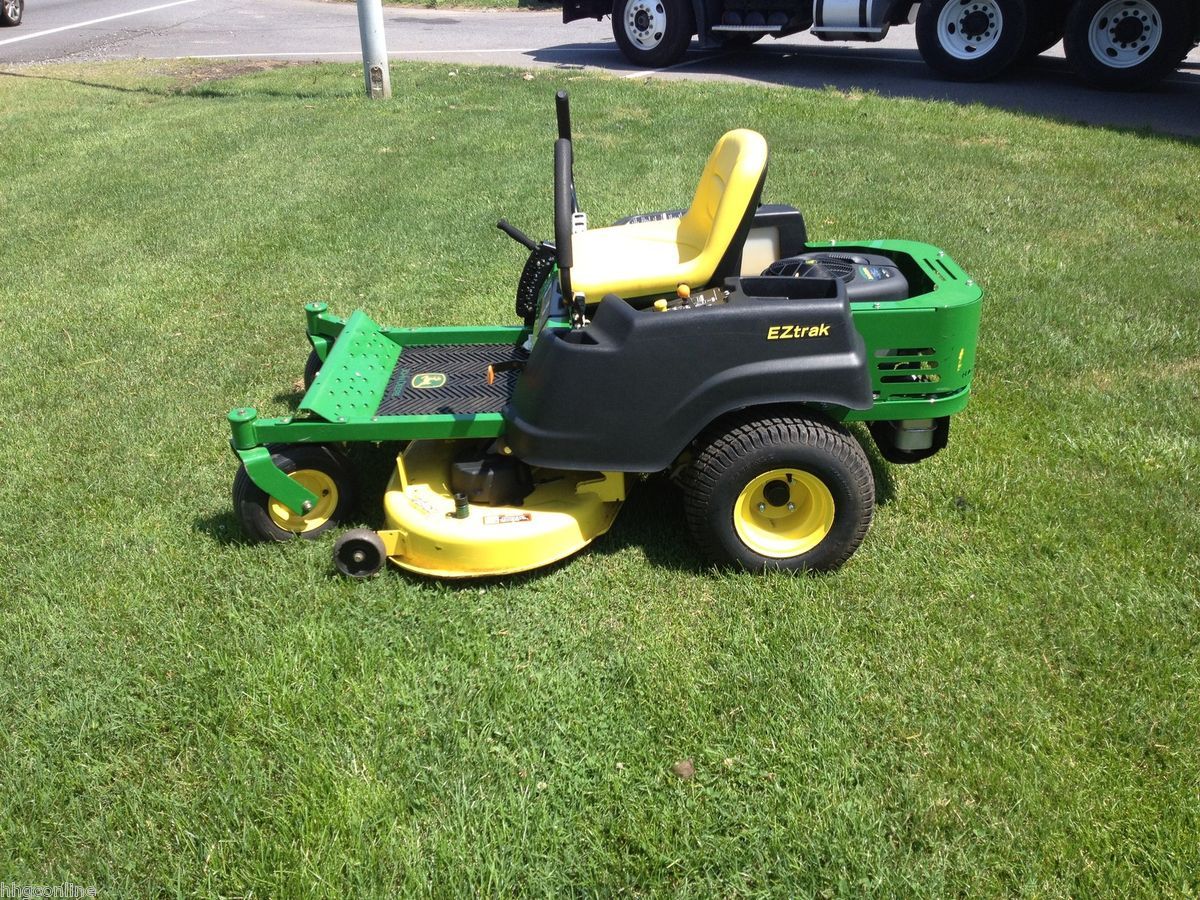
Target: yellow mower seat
645 258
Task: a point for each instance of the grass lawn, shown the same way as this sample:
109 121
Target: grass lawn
999 695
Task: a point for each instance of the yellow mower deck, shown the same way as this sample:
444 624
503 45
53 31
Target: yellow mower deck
565 513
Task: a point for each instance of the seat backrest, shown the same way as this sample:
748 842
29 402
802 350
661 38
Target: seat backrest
727 194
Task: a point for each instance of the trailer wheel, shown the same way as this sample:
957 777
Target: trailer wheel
653 33
359 553
781 493
322 470
971 40
11 11
1126 44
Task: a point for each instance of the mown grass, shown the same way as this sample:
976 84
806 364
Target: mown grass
998 695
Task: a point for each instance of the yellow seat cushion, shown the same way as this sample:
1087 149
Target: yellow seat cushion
646 258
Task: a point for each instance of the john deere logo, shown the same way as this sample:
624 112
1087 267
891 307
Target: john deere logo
427 380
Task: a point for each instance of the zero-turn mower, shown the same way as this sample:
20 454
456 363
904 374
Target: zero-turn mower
760 348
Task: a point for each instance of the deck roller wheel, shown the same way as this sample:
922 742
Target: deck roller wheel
359 553
780 493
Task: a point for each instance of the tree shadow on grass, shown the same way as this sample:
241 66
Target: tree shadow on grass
203 79
221 528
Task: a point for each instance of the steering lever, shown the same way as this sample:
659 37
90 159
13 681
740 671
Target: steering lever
517 234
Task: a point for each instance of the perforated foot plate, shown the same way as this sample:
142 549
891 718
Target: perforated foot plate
450 380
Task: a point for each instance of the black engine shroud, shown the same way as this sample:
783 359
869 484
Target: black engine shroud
633 388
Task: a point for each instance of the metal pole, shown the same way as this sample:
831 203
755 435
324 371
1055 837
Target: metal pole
374 49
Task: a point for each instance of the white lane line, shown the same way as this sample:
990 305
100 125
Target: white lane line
646 73
135 12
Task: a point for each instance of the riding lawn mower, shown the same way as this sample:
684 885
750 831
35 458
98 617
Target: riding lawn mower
715 343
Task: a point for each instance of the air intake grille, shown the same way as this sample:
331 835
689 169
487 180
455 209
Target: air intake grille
824 266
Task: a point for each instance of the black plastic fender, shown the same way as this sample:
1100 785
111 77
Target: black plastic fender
634 387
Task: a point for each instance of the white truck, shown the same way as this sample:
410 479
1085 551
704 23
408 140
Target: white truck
1116 44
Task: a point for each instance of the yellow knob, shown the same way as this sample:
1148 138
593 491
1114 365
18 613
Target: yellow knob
660 305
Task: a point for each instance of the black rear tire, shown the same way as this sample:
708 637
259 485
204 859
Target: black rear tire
322 469
653 33
780 493
1124 45
971 40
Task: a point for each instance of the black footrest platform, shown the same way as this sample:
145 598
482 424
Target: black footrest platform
451 379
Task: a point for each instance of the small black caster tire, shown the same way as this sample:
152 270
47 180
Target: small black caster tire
322 470
359 553
311 367
780 493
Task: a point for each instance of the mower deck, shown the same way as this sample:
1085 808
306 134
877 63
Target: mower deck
564 512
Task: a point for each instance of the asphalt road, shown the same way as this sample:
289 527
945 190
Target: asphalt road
86 30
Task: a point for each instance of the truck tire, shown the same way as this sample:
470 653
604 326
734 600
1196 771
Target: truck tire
971 40
11 11
653 33
1126 44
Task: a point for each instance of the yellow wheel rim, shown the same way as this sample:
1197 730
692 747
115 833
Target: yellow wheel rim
327 500
783 513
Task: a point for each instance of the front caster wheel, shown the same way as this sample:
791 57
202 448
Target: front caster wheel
359 553
970 40
312 367
1126 44
322 470
781 493
653 33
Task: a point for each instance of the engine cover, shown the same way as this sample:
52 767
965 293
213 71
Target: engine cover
868 277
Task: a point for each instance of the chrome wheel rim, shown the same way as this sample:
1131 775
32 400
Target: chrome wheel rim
645 23
1123 33
969 29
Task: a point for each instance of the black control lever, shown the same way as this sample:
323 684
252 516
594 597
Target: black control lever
517 234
